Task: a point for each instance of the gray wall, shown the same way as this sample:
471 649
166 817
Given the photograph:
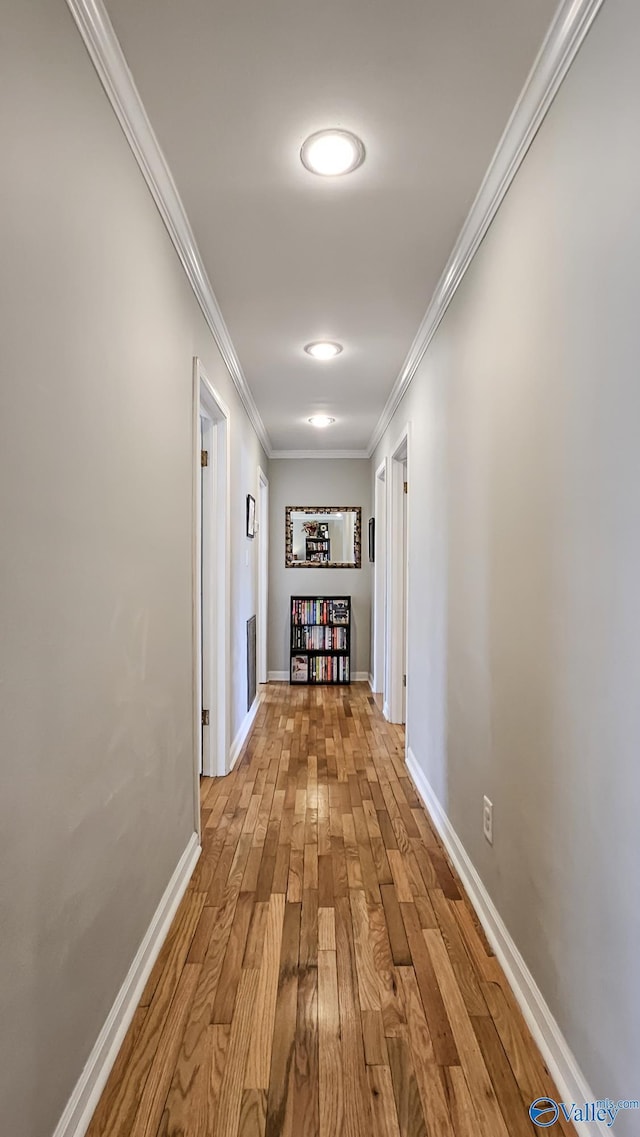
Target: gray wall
99 327
317 481
524 637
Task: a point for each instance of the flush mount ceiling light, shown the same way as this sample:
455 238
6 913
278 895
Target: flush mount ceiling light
321 420
332 152
322 349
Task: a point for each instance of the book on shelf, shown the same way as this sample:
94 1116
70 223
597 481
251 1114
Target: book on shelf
319 637
310 611
300 669
329 669
339 611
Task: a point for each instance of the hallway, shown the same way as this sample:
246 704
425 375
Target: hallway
324 974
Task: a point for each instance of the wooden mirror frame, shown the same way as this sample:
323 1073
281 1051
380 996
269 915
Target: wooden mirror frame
328 509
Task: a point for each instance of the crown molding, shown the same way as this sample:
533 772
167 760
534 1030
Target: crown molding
108 59
320 454
566 34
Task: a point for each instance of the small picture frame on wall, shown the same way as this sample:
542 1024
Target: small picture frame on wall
251 516
372 538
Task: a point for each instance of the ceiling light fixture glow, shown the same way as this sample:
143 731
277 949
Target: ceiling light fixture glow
331 153
321 420
322 349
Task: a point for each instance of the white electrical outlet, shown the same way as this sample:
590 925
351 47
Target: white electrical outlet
487 819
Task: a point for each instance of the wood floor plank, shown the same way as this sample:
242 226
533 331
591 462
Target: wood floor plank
392 1003
307 1078
462 966
430 1087
255 936
482 1091
222 1011
368 989
261 1040
375 1047
459 1103
151 1105
440 1027
326 929
512 1105
405 1088
395 927
253 1113
218 1046
356 1102
170 960
200 941
383 1105
380 945
232 1082
280 1116
331 1112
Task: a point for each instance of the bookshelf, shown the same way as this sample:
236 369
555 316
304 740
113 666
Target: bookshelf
320 642
317 550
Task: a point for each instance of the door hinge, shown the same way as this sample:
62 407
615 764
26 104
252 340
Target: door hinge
404 680
406 487
205 718
204 457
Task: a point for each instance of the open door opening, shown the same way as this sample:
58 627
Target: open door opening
380 583
263 574
397 677
211 579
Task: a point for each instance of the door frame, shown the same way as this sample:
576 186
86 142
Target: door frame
263 572
380 580
211 579
398 577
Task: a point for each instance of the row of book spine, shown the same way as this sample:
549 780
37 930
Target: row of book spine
329 669
312 611
319 638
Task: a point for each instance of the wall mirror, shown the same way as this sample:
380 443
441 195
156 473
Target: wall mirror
325 536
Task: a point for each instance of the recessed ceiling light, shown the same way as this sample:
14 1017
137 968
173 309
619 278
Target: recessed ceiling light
322 349
321 420
332 152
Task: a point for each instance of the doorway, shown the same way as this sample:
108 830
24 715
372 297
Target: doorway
397 677
380 582
211 577
263 573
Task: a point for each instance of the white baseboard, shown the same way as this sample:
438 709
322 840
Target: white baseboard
361 677
84 1099
386 712
563 1067
370 678
243 733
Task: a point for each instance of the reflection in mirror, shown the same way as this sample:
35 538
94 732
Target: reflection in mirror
322 536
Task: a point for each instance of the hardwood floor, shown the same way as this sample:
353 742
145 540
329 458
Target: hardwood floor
324 975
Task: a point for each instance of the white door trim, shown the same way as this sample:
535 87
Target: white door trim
263 573
211 606
380 579
397 577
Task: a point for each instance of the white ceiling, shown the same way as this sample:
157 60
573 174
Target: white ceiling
233 87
